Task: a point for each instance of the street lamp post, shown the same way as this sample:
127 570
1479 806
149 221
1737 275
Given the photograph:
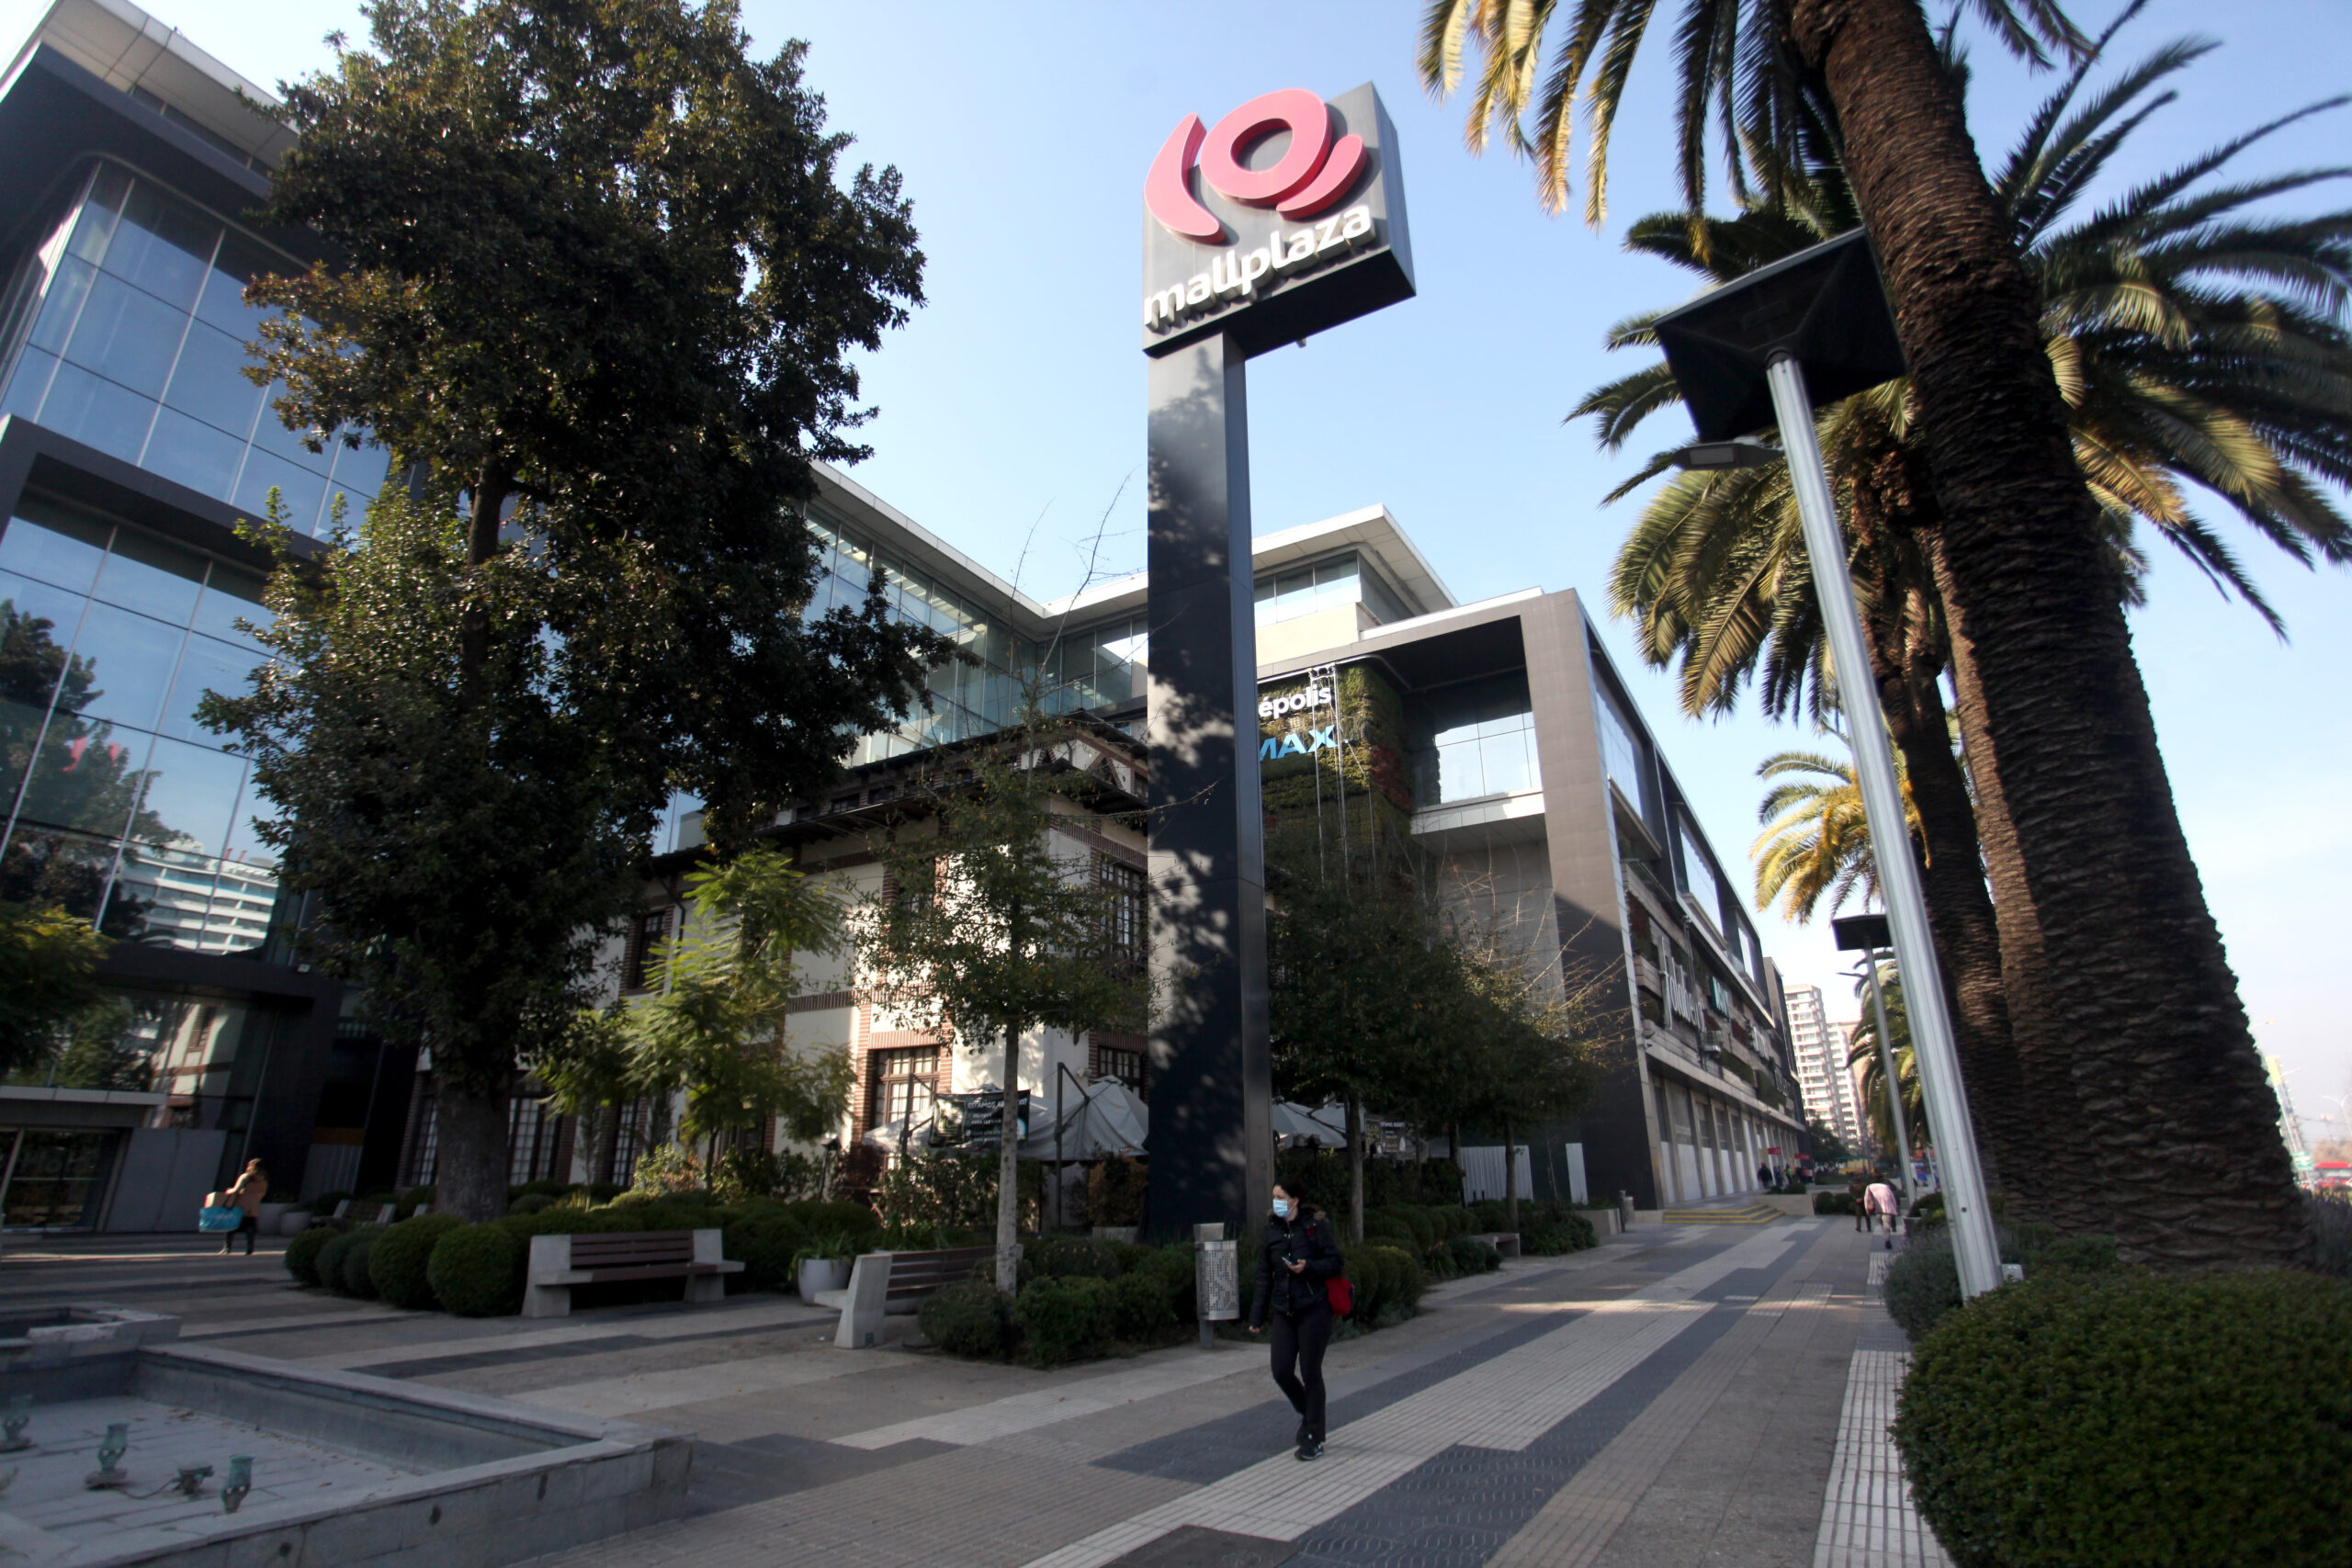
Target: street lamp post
1817 324
1869 933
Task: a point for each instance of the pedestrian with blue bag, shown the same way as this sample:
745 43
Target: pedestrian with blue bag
237 1212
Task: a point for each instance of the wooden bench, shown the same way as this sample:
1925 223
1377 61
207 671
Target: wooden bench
559 1262
1504 1242
882 1283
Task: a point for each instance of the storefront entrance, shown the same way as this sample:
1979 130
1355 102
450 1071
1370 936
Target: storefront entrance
54 1177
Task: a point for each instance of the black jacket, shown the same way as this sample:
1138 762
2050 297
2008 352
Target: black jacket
1306 1239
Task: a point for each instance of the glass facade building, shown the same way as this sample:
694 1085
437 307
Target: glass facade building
125 327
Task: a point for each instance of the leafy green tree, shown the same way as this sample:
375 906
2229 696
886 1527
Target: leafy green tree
1529 1054
1828 1148
1366 991
586 1072
2052 705
989 926
717 1029
599 278
48 962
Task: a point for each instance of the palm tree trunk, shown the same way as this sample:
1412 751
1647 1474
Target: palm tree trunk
1959 915
2096 871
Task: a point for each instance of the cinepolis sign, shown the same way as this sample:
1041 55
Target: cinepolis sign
1285 218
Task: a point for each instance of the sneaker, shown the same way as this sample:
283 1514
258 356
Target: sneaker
1310 1450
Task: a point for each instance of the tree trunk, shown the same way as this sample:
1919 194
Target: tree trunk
1008 1173
605 1151
1355 1169
469 1160
1510 1179
2094 869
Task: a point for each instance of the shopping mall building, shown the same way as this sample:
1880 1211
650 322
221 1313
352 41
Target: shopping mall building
1497 735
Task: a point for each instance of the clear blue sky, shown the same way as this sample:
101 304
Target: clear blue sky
1011 407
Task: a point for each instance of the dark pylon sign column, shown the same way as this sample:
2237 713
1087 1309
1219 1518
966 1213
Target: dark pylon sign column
1285 218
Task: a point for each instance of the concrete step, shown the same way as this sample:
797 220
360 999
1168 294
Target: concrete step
1757 1213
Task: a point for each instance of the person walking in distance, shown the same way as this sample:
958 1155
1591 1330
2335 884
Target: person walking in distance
1859 1193
1296 1256
1881 1202
246 1193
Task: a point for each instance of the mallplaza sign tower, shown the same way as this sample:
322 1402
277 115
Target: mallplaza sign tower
1284 219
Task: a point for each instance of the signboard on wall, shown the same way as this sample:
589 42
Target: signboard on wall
1285 218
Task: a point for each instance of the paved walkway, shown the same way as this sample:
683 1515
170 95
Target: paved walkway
1685 1395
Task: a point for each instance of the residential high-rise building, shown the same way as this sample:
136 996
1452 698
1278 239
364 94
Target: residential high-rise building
1822 1075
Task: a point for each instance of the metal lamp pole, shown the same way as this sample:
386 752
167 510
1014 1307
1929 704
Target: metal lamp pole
1933 1051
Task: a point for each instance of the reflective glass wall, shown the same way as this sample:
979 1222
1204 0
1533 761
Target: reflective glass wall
125 329
1473 741
118 805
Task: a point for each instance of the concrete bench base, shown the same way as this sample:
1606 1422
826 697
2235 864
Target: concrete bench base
546 1291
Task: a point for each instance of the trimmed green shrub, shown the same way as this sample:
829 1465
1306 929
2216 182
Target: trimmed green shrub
1406 1279
332 1256
397 1259
1068 1257
1425 1230
356 1279
1131 1254
1570 1232
1923 1281
546 1187
407 1203
838 1214
1828 1202
1468 1256
302 1252
477 1270
1370 1268
323 1204
1062 1319
1490 1215
1389 1226
1173 1268
764 1241
2137 1419
973 1319
1139 1309
530 1203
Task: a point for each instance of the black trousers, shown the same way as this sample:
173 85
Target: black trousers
248 1227
1299 1340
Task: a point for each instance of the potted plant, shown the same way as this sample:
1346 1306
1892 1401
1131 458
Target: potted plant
824 1263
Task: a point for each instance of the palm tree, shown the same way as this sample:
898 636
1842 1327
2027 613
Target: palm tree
1864 1054
1816 842
2050 702
2166 386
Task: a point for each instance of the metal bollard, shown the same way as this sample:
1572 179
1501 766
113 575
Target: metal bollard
1217 1280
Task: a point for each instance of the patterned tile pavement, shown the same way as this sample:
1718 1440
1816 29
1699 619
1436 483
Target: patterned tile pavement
1681 1395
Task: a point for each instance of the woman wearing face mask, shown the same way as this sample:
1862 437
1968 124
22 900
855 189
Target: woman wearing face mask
1296 1256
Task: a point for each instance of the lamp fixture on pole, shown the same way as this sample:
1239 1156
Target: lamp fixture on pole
1764 348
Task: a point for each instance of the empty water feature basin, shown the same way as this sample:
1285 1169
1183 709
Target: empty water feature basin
347 1470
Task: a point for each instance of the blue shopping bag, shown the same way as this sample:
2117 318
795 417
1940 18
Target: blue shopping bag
221 1217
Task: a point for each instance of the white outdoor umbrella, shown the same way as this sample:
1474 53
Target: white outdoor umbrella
1324 1129
1109 1119
887 1134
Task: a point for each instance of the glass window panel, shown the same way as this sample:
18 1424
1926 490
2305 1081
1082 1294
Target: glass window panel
85 778
151 576
206 664
210 382
230 596
191 795
360 470
190 452
1340 571
57 547
94 411
62 304
223 304
20 724
28 384
37 626
96 225
163 245
65 869
244 846
301 488
1700 877
271 435
127 336
130 658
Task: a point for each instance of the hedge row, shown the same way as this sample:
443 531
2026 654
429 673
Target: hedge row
2122 1420
477 1270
